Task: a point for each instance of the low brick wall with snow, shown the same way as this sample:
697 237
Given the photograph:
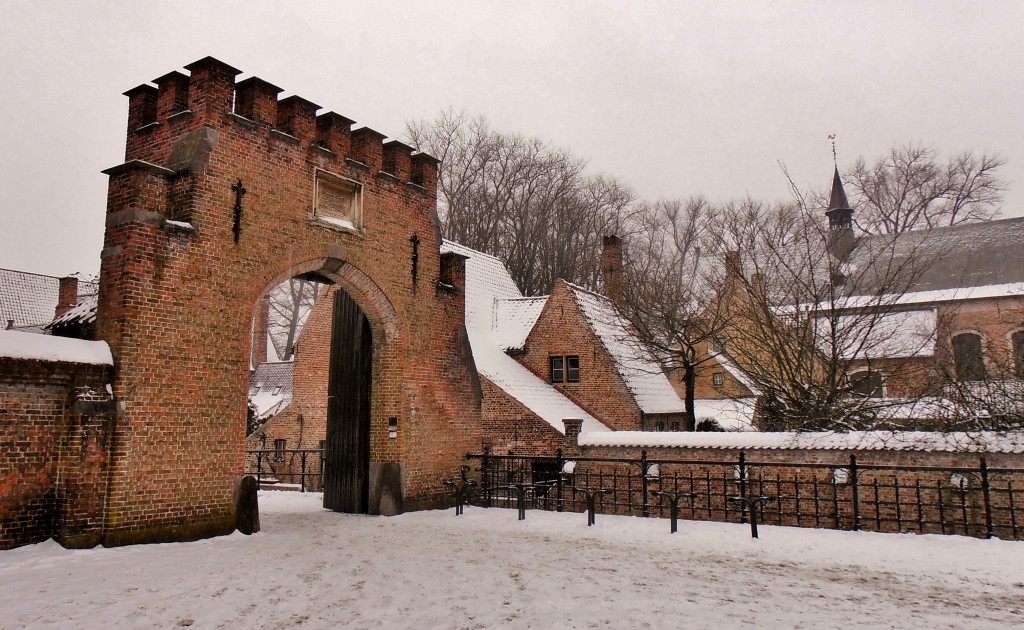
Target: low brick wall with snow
56 415
941 485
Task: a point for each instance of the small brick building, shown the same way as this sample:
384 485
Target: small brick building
568 355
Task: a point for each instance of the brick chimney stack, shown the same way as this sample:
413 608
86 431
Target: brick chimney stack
733 269
67 295
611 269
259 331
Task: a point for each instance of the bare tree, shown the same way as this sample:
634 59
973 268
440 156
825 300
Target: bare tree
803 323
671 282
521 199
912 188
290 305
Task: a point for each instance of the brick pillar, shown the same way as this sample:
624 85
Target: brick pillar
573 426
259 331
611 269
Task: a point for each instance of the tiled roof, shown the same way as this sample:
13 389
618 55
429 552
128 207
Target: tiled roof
83 313
514 319
30 299
270 387
959 256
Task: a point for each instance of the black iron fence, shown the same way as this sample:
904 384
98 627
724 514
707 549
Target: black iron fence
302 469
975 500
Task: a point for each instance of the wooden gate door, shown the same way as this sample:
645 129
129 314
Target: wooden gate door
347 456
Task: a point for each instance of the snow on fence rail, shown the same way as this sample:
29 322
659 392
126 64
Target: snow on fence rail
972 498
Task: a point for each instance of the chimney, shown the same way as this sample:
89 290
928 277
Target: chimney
733 269
758 284
67 295
611 270
259 331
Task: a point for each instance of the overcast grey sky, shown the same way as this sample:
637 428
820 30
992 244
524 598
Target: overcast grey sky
674 98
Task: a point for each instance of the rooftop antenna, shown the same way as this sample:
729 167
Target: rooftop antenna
835 160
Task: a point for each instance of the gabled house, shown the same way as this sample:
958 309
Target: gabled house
568 355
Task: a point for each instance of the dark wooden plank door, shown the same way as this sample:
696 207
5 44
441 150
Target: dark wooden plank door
347 459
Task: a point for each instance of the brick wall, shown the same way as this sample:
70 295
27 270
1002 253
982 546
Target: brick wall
508 426
176 302
55 427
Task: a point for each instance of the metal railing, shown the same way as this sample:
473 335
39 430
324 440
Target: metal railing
979 501
304 467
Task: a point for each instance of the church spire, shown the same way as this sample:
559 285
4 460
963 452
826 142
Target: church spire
839 213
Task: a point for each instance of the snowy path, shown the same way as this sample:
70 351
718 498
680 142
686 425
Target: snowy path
486 570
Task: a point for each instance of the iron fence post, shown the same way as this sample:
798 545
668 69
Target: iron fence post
742 466
853 489
485 478
302 479
989 533
259 467
645 507
560 462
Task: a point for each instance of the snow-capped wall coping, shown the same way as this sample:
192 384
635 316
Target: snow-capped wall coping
975 442
21 345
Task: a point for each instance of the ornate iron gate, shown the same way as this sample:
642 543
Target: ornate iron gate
347 456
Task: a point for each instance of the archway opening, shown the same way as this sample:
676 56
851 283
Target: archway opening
309 426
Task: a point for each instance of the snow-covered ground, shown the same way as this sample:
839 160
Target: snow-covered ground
485 569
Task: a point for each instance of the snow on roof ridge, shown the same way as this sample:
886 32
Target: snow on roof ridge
454 245
21 345
577 287
924 441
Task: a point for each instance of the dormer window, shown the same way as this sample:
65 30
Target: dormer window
565 369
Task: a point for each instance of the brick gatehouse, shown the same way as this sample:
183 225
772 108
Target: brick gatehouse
225 192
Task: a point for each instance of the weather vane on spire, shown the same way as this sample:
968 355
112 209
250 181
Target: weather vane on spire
835 160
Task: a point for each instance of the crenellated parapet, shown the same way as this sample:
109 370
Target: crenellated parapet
209 96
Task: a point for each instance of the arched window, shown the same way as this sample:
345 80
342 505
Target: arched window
868 384
968 357
1017 345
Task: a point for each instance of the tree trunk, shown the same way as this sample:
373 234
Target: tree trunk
690 379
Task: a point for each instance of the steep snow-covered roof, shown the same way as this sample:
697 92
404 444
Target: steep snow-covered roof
270 387
487 284
979 442
23 345
487 280
514 319
533 392
83 313
643 376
